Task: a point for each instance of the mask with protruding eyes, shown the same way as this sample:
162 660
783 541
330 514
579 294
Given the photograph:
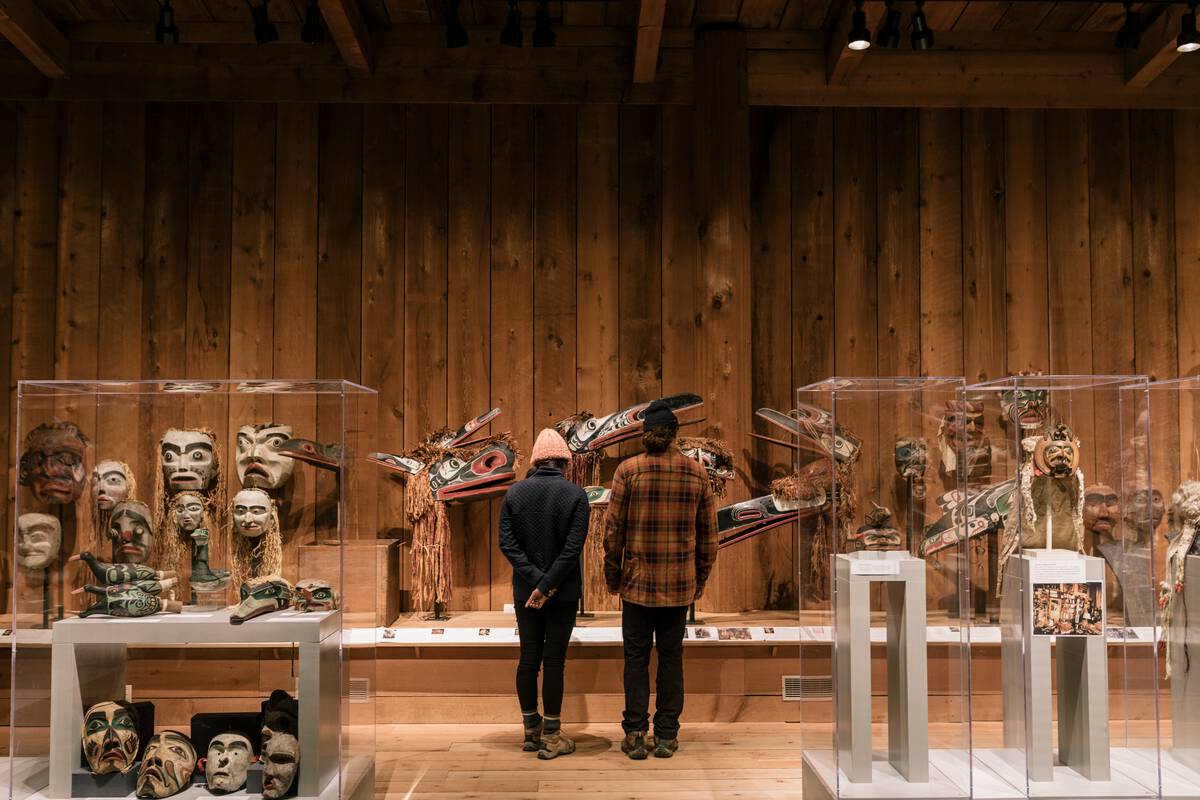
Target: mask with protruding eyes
259 462
189 511
189 460
110 484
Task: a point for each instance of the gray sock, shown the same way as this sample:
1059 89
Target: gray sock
552 724
530 719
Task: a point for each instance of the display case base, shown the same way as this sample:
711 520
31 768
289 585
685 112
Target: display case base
820 778
1000 774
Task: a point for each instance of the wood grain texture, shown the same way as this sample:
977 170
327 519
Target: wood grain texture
1025 216
8 205
984 328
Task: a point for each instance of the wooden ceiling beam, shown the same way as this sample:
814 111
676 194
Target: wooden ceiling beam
649 39
345 21
840 60
29 30
1157 51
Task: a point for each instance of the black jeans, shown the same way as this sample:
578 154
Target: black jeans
545 633
640 624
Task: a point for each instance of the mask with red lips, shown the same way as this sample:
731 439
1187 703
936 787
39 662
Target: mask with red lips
259 462
131 532
110 738
52 463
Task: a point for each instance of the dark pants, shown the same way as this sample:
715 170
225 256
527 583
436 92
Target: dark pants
545 633
665 626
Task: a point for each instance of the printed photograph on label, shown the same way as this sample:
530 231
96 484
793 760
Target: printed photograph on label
1068 609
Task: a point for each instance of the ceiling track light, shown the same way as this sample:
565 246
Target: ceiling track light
166 32
922 35
312 32
859 38
456 34
510 34
889 34
1130 35
543 34
264 31
1188 40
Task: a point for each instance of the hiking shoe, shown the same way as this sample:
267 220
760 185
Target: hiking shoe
665 748
533 737
634 745
555 745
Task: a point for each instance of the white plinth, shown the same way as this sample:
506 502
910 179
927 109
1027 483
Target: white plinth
946 767
1000 774
88 667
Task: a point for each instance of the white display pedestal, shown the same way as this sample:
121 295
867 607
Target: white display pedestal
1082 675
88 667
908 689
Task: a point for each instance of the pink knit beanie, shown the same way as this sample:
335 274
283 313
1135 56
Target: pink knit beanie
550 446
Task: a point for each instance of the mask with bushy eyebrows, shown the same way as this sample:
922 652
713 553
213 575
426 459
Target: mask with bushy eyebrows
259 462
189 460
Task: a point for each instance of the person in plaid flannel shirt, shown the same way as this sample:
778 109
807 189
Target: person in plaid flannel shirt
660 544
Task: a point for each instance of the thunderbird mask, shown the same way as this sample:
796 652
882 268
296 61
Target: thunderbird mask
314 595
140 599
454 478
110 737
260 465
281 760
52 463
587 433
229 757
131 532
321 456
189 460
113 574
167 765
261 597
39 538
815 431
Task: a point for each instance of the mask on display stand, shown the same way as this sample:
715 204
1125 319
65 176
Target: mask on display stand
39 539
110 737
167 765
260 464
1101 510
112 483
1028 408
189 461
257 539
878 533
281 761
911 458
225 764
52 463
193 521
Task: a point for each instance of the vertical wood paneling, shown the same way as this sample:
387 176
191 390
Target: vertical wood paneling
770 337
941 242
209 211
8 204
1110 240
1025 240
512 290
898 230
984 327
1187 263
680 253
469 340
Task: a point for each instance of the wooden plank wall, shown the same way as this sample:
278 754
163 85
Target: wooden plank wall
548 259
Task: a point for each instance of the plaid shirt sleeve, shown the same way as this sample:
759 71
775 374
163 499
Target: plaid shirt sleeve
614 533
706 538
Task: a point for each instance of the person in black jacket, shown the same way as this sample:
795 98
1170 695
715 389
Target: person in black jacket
543 525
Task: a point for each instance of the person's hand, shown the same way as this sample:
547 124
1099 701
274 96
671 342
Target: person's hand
536 600
699 593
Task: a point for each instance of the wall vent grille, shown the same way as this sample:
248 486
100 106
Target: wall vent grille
811 687
360 690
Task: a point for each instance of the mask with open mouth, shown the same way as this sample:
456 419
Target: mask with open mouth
52 463
1029 408
322 456
131 532
225 764
110 737
167 765
259 462
1101 510
281 761
261 597
489 470
189 460
596 433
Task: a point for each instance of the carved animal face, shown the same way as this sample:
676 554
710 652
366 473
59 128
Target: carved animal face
324 456
489 470
597 433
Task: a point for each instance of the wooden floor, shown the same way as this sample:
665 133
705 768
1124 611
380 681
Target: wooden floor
715 760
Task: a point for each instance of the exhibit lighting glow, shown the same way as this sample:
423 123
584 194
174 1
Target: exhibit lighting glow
1188 40
166 32
889 34
456 34
510 35
543 34
312 32
859 37
1130 35
264 31
922 36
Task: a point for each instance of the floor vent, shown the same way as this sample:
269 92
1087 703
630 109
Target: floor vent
813 687
360 690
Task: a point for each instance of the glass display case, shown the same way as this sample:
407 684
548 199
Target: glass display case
1168 529
881 467
1065 688
184 620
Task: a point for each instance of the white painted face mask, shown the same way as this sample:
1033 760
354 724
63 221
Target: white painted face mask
259 464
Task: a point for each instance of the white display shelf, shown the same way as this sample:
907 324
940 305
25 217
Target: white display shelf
204 627
820 774
1000 774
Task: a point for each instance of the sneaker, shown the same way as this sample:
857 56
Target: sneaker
634 745
665 748
533 738
555 745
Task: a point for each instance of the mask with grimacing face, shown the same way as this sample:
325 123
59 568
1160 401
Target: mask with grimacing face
259 463
252 513
189 460
188 509
167 765
281 759
110 738
110 484
1101 509
131 532
1029 408
52 463
39 538
229 756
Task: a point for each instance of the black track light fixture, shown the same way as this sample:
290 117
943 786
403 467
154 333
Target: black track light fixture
922 35
1188 40
312 32
543 34
510 34
889 34
859 37
166 32
1130 35
264 31
456 34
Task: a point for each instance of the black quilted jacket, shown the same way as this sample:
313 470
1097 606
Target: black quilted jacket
543 525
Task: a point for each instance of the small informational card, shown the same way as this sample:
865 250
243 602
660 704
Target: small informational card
1056 570
1068 609
873 567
